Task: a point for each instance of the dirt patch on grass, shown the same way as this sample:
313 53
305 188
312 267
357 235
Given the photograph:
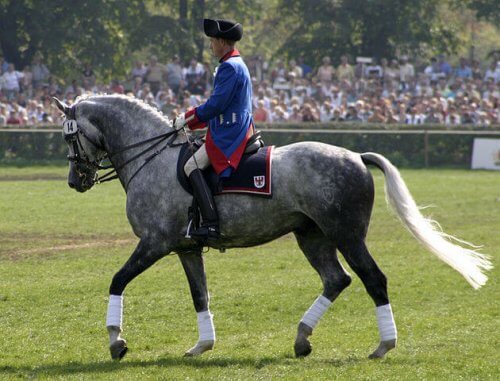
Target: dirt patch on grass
43 245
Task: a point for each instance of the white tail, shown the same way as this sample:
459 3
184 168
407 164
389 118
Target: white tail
468 262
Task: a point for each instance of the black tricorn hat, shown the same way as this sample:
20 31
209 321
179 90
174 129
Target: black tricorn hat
226 29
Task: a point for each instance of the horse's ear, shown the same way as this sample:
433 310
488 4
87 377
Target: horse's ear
61 105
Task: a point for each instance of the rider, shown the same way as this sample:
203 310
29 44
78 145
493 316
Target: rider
228 114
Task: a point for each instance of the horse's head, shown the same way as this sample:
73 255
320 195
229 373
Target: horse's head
85 145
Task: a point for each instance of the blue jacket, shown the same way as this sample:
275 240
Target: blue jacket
228 112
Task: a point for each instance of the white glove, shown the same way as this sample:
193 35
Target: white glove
180 121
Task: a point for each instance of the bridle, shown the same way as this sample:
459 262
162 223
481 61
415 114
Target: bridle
84 162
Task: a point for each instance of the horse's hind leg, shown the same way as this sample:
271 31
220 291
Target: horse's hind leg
375 282
192 262
321 253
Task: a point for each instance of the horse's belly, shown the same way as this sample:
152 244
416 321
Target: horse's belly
248 221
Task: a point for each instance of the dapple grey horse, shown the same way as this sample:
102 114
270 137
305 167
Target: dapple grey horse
322 193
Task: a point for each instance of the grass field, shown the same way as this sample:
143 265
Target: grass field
59 251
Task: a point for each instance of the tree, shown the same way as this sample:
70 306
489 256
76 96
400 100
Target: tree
365 27
68 33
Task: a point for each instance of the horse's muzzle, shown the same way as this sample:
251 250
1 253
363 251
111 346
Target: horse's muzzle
80 181
79 186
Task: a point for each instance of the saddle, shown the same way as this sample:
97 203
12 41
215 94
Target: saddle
218 186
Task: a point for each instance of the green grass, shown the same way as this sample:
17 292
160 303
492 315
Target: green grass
53 300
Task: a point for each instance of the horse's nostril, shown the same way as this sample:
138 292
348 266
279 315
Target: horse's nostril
71 184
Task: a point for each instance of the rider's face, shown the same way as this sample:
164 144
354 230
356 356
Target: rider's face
217 46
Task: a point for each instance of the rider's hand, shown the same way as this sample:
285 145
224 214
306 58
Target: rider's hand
180 121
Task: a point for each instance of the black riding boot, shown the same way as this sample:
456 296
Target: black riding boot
209 228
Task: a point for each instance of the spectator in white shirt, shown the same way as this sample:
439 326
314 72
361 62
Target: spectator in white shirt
415 116
492 90
293 67
326 112
3 114
40 72
11 80
192 76
139 70
374 70
279 114
452 118
433 71
493 71
174 74
406 72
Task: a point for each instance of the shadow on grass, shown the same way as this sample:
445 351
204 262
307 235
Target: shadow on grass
97 367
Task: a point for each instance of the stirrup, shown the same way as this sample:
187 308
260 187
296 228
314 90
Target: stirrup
205 233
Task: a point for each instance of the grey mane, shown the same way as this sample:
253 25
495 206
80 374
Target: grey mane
136 106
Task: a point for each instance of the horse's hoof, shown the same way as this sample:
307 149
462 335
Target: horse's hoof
302 348
118 349
200 347
383 348
302 345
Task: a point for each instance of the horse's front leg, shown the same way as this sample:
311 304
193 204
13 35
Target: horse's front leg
195 272
145 255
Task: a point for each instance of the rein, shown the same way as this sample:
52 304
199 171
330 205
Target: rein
113 174
80 157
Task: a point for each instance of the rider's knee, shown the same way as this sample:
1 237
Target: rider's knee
189 167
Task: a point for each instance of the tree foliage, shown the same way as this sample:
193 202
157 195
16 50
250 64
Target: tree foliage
69 33
106 33
371 28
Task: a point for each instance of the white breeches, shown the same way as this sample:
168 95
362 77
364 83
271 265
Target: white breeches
199 160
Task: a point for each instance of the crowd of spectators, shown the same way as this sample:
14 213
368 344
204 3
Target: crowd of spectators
370 91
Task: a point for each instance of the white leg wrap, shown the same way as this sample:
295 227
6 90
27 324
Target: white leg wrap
115 311
316 311
206 326
386 324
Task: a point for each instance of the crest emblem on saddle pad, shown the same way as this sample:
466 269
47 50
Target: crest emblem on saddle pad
259 181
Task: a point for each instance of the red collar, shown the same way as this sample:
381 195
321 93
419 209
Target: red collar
228 55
